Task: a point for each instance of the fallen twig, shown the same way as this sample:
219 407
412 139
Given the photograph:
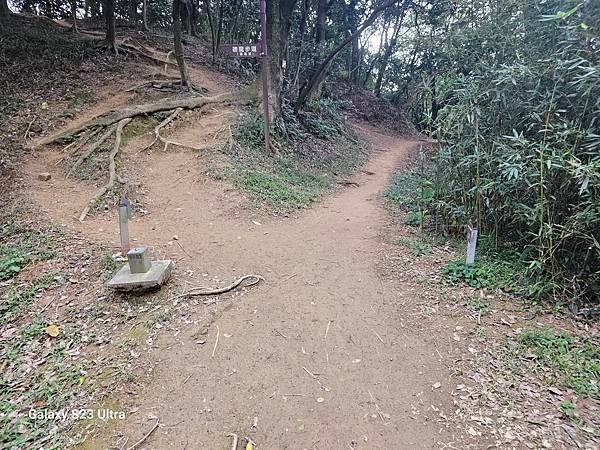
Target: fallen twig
377 407
279 333
235 440
199 290
327 330
309 372
134 446
378 337
216 343
29 128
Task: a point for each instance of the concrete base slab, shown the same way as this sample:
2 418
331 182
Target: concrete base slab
158 274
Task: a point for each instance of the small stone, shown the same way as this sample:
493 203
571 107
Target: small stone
44 176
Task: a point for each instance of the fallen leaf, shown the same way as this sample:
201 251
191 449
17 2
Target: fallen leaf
52 330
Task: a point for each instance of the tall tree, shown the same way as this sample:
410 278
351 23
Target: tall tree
279 21
313 84
74 15
145 15
4 9
109 16
178 45
352 24
390 46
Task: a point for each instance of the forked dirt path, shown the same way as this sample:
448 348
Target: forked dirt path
317 356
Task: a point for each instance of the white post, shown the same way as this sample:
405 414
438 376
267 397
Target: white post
124 225
471 245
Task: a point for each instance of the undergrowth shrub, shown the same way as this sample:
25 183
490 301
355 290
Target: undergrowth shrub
520 142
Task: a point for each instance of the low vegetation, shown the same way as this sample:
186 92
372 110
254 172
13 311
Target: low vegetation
317 152
562 359
515 118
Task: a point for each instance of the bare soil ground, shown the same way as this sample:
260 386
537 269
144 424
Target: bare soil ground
350 342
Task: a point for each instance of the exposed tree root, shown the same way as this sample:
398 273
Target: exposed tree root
164 85
91 149
112 170
77 144
139 50
110 118
163 124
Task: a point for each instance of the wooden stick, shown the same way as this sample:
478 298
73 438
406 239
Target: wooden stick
134 446
235 440
309 372
199 290
216 343
378 337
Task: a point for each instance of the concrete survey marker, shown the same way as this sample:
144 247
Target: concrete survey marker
140 273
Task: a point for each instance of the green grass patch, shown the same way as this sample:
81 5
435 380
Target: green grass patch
20 246
139 126
478 305
107 267
484 273
417 247
20 297
561 358
274 190
308 164
403 189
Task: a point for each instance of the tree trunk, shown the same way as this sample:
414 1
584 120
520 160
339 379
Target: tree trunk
315 81
194 18
321 22
109 15
132 12
74 16
220 24
236 15
4 9
177 44
211 25
354 62
279 22
389 49
303 24
145 15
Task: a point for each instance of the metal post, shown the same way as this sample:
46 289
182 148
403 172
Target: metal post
124 212
265 72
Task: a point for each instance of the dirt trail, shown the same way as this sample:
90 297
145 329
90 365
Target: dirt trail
317 357
323 308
